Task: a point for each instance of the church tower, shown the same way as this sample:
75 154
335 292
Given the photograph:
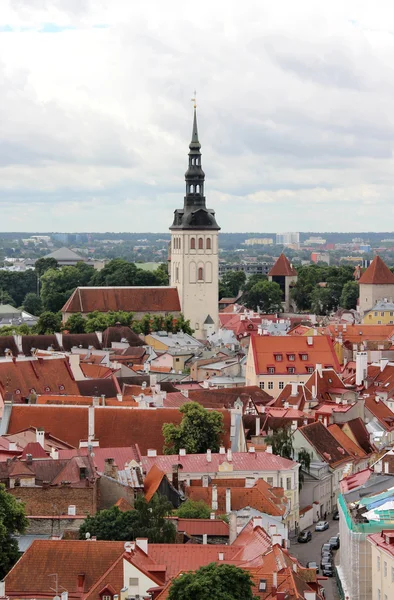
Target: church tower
194 248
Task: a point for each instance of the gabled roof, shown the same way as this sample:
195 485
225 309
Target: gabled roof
119 333
377 273
64 254
381 411
39 342
345 441
78 340
49 376
282 267
215 527
130 299
325 444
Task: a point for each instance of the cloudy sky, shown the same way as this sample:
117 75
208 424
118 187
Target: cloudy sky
295 108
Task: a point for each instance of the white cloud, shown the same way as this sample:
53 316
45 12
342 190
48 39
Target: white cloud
295 113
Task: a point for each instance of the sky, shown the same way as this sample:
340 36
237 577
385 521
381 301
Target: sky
295 112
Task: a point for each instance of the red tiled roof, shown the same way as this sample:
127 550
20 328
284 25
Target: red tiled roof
119 333
356 480
325 444
44 376
121 456
65 400
129 299
282 267
114 427
152 482
377 273
345 441
319 351
384 540
241 461
95 371
35 450
381 411
360 333
215 527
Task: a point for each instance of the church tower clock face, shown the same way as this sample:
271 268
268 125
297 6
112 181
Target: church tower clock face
194 263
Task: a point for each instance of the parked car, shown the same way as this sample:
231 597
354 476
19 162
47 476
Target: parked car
328 571
304 536
335 515
321 526
312 565
334 542
326 548
326 558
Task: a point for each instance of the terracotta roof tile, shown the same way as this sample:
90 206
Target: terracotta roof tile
114 427
381 411
119 333
95 371
377 273
7 342
49 376
325 443
78 340
346 442
282 267
35 450
152 482
215 527
130 299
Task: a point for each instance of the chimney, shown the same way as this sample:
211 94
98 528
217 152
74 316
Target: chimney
204 538
40 437
269 449
251 449
294 388
80 582
182 452
175 476
249 482
205 481
274 582
209 455
119 398
229 455
257 522
142 543
222 450
286 405
54 453
277 539
91 423
361 367
228 500
294 425
221 556
258 426
64 595
152 452
310 595
214 497
29 459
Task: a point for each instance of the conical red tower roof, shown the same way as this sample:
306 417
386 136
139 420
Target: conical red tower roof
283 267
377 273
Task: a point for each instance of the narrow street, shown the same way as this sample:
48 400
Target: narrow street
312 551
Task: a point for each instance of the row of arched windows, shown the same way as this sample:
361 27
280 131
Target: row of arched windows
194 188
208 243
177 243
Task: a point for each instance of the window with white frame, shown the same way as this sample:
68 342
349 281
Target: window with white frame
270 385
291 370
271 370
281 385
262 385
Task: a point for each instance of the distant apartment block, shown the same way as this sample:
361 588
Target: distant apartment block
259 242
288 239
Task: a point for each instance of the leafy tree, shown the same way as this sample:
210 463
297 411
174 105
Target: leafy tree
75 324
48 322
349 296
231 284
145 324
161 274
219 581
322 300
43 264
282 443
18 284
6 298
182 324
194 509
96 321
304 458
266 295
119 316
12 521
147 520
116 272
158 323
32 304
199 430
252 280
57 285
169 323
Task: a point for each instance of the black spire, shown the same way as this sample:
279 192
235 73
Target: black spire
195 214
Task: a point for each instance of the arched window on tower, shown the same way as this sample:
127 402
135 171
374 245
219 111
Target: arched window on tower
200 244
209 247
177 273
200 274
192 243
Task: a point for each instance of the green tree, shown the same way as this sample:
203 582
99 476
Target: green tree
75 324
6 298
252 280
147 520
282 443
265 295
182 324
119 316
116 272
32 304
48 322
18 284
12 521
161 274
193 509
349 296
158 323
219 581
323 301
199 430
145 324
231 284
96 321
43 264
57 285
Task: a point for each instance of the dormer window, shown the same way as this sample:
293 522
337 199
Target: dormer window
278 357
304 357
291 357
309 370
271 370
291 370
